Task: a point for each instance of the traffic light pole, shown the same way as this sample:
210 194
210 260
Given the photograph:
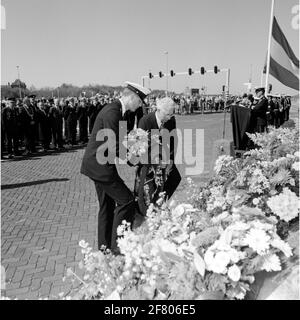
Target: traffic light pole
226 70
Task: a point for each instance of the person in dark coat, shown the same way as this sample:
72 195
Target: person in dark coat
259 111
93 110
33 105
56 121
282 108
116 201
287 100
44 124
70 117
10 118
29 120
164 121
82 116
270 112
3 133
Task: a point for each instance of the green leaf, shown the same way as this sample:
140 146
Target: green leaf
199 264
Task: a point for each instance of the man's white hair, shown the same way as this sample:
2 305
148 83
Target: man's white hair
165 103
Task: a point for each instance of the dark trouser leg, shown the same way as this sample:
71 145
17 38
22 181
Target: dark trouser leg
125 208
60 134
172 182
9 143
105 217
73 133
16 143
54 135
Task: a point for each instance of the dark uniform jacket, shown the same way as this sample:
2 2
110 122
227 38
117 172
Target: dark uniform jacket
259 112
107 118
11 119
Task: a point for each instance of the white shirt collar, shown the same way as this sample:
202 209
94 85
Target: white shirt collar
157 120
123 107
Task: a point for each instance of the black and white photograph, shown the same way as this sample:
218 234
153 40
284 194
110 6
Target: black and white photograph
150 152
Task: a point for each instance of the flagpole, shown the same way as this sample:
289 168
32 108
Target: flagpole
269 46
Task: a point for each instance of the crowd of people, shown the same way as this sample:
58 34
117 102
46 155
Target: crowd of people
32 124
270 110
188 104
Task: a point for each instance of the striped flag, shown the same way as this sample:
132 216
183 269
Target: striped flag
284 65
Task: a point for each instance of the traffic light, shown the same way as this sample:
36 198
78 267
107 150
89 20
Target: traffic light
160 74
150 75
172 73
202 70
223 88
190 71
215 69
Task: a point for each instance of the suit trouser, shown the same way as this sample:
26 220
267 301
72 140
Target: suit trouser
12 142
116 204
172 182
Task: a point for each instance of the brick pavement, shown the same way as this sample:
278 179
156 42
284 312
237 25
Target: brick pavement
47 207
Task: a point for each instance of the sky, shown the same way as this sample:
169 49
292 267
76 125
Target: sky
110 42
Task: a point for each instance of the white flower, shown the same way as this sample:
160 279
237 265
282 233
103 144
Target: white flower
178 211
258 240
234 273
208 258
271 263
296 154
167 246
83 244
236 256
282 246
285 205
218 262
255 201
296 166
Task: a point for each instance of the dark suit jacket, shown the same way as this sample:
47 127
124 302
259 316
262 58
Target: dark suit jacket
149 122
259 112
107 118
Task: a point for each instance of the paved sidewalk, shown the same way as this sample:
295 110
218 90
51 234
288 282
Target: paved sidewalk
47 208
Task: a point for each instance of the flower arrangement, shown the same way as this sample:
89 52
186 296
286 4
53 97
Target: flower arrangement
137 143
212 246
267 178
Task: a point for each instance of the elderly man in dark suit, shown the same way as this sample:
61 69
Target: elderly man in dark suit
163 120
116 201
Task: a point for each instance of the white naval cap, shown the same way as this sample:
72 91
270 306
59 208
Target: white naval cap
141 91
259 88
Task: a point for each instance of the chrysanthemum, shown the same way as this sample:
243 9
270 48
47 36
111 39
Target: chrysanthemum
258 240
271 263
285 205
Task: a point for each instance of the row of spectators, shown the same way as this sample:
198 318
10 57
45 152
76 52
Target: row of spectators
276 110
190 104
32 124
